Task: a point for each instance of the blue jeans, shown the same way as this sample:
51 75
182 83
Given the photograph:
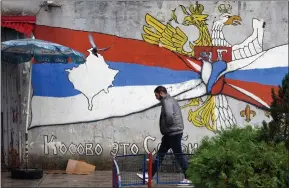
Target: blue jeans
171 142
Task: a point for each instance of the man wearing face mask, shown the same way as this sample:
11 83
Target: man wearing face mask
171 127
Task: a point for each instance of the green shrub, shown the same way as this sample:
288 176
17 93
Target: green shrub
278 129
237 158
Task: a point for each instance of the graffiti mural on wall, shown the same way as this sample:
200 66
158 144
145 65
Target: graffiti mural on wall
248 113
120 81
215 112
54 147
111 88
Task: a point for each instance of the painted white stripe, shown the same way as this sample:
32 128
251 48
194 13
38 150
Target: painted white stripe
196 66
206 71
119 101
251 95
275 57
240 63
194 93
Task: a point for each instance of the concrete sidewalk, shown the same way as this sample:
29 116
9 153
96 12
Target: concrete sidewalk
98 179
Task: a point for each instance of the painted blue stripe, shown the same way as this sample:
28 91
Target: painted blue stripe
51 79
217 68
269 76
134 74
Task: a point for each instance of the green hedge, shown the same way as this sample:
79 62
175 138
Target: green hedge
237 158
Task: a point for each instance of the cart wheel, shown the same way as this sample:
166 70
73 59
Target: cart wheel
23 173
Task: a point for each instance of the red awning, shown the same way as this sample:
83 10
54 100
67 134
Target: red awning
22 24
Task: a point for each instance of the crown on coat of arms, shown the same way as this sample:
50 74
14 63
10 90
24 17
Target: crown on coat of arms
223 9
197 9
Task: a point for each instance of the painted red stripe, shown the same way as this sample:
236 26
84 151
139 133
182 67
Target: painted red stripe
234 93
185 60
122 49
260 90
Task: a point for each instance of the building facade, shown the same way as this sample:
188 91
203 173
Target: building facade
219 59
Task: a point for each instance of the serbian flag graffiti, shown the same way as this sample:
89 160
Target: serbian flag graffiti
121 80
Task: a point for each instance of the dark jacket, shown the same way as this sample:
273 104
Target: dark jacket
171 119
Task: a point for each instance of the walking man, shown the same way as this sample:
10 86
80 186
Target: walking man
171 127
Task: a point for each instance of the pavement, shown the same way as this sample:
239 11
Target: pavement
97 179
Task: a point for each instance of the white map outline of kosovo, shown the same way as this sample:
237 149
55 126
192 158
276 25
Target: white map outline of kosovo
92 77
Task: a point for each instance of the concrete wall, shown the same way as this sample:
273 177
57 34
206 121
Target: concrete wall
107 106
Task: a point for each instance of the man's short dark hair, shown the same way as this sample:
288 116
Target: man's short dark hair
160 89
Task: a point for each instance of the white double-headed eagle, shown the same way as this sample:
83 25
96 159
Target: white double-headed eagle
215 111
